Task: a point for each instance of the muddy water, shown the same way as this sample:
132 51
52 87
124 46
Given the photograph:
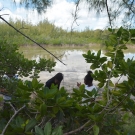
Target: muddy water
75 68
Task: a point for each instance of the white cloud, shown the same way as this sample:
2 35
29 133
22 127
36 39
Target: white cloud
60 14
17 1
7 14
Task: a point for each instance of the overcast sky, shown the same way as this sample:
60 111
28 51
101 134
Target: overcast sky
60 13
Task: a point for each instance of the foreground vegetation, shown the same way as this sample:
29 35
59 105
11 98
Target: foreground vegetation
35 110
46 33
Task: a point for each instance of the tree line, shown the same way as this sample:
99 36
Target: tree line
48 34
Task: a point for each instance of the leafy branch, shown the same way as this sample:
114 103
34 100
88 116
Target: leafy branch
15 113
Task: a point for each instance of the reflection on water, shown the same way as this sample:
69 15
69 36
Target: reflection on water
75 68
130 55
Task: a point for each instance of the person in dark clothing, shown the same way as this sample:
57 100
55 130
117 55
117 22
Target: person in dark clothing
56 80
88 79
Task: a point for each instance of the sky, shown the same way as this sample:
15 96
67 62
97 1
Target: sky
60 13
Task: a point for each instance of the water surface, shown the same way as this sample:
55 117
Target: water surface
75 68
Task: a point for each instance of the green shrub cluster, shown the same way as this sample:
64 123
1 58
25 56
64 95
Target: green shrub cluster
47 33
37 110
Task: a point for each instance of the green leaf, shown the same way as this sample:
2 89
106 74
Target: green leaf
119 54
117 132
93 117
48 128
96 130
22 86
2 124
101 85
49 93
34 83
110 48
61 99
109 64
94 66
133 41
98 54
55 109
109 29
39 131
18 122
132 31
57 131
123 47
116 92
43 109
30 125
89 93
110 54
126 117
119 32
1 98
121 85
110 83
102 60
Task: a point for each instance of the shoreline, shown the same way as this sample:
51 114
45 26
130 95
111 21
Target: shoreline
130 47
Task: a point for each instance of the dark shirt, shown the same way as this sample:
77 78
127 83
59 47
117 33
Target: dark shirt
50 82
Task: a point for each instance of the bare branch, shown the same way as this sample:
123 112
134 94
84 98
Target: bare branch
15 113
130 7
120 102
75 15
61 55
110 21
3 14
108 103
42 121
22 27
2 9
78 129
12 107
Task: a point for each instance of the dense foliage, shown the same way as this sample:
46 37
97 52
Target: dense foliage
36 110
47 33
122 9
39 5
116 10
12 62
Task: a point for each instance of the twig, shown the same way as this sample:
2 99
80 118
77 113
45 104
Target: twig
78 129
30 39
3 14
75 17
110 21
90 128
108 103
118 81
61 55
130 7
43 119
12 107
120 102
1 8
15 113
38 96
22 27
